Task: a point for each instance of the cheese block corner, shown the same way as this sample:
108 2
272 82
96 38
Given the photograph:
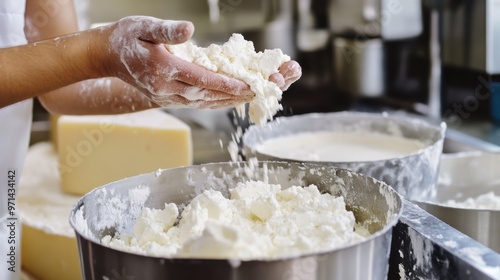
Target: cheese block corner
53 129
96 150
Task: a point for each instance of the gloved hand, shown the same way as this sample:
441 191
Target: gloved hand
136 54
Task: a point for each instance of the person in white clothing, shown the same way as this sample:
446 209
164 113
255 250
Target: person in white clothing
118 68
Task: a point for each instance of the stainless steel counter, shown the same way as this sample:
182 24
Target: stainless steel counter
424 247
480 131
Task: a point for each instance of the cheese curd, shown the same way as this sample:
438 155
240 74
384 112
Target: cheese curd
258 221
237 58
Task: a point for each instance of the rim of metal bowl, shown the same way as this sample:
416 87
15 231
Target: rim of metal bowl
438 130
393 221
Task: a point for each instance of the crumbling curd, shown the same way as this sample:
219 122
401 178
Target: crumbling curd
237 58
258 221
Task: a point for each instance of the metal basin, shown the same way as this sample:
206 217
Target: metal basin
375 205
414 176
462 176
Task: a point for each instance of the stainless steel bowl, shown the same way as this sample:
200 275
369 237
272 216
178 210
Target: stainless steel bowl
375 205
414 176
462 176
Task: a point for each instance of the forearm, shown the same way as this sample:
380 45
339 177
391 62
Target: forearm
96 96
30 70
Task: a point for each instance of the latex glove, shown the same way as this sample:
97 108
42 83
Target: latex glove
137 55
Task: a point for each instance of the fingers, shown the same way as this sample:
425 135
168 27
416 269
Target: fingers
192 92
184 95
173 32
159 31
198 76
291 69
288 73
291 72
278 79
177 102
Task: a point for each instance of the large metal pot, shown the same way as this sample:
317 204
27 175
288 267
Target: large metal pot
359 66
414 176
375 205
462 176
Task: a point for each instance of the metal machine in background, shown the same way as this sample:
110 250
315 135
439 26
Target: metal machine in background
471 58
359 54
214 20
352 50
426 56
360 29
471 35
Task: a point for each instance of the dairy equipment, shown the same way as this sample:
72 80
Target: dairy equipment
424 56
444 47
377 208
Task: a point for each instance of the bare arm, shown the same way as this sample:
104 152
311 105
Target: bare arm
58 70
129 51
95 96
33 69
41 67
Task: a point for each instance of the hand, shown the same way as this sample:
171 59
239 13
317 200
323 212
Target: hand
136 54
288 73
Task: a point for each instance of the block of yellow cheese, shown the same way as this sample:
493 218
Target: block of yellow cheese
53 129
96 150
49 249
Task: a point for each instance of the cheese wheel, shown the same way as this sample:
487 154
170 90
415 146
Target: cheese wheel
92 151
96 150
48 244
49 256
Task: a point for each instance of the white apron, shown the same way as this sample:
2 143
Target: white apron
15 126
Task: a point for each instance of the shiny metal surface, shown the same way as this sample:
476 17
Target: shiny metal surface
359 66
212 19
471 35
462 176
413 176
423 247
435 73
387 19
376 205
457 142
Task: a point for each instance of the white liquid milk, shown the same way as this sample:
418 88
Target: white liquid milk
339 146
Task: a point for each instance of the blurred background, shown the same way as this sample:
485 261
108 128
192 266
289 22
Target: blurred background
436 58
